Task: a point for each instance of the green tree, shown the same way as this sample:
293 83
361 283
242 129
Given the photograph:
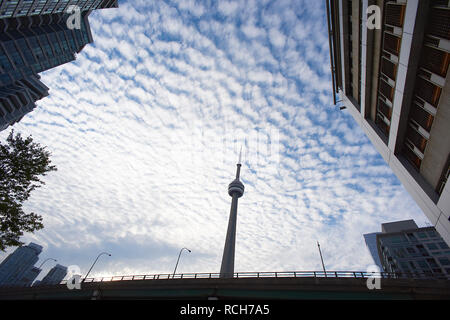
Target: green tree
22 163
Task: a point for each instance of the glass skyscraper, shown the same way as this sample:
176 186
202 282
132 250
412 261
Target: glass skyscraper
19 266
371 243
35 36
29 277
54 276
406 249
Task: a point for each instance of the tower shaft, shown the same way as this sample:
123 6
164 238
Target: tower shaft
227 268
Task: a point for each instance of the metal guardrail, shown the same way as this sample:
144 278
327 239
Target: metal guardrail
262 275
283 274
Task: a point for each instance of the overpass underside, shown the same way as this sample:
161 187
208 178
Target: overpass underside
239 288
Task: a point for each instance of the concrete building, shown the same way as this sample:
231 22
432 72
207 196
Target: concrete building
54 276
405 248
35 36
17 267
391 75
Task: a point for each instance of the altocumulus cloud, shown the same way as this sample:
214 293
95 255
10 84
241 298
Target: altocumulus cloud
137 128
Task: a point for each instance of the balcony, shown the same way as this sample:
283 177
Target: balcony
384 109
412 157
415 138
439 25
422 117
435 60
394 15
386 90
388 68
379 121
392 43
428 91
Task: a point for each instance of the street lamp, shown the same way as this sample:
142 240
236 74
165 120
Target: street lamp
40 267
94 263
323 265
179 260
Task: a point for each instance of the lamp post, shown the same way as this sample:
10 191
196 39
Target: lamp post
179 260
323 265
40 267
94 263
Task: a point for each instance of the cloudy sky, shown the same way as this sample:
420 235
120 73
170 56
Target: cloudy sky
145 129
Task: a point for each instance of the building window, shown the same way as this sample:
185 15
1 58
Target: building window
386 90
439 25
422 235
411 250
392 43
394 15
397 239
432 263
412 157
388 68
444 261
418 141
422 250
438 271
404 266
423 264
421 116
428 91
435 60
411 237
443 245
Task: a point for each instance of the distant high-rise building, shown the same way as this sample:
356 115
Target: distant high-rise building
29 277
55 275
371 243
389 65
18 265
35 36
404 248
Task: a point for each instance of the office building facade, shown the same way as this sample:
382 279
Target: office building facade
389 63
17 267
29 277
36 36
371 243
54 276
410 251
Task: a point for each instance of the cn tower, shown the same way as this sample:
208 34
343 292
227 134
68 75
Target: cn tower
235 190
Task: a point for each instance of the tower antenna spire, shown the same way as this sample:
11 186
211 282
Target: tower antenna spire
240 155
238 169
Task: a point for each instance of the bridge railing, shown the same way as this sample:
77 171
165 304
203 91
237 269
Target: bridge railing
275 274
